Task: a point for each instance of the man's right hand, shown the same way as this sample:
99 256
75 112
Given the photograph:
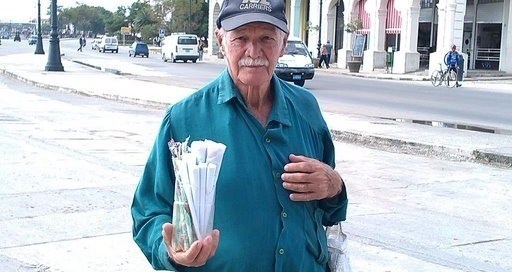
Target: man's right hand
199 252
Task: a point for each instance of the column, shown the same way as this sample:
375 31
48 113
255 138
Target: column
449 31
375 56
506 39
213 14
345 53
295 24
408 58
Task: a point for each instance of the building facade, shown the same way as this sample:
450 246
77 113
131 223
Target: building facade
418 33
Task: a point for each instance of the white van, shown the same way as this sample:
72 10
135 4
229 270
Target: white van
180 46
108 44
296 64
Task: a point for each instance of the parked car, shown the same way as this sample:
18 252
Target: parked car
17 37
296 64
32 40
139 48
95 44
180 46
108 44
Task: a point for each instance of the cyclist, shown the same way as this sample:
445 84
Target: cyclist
452 59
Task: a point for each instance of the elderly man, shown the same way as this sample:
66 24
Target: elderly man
277 186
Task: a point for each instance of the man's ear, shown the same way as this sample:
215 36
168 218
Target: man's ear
220 36
283 47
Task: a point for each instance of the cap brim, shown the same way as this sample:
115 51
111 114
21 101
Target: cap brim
246 18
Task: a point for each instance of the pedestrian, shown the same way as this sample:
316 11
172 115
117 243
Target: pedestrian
453 60
328 49
81 41
323 57
277 186
202 45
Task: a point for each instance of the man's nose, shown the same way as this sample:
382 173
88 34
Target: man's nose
253 49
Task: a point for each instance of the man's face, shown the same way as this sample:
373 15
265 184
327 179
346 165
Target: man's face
252 51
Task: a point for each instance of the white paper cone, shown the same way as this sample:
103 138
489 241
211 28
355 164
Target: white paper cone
199 150
195 182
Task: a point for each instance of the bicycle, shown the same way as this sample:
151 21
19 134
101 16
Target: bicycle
449 77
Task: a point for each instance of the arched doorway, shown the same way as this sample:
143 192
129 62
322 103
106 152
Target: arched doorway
213 43
336 25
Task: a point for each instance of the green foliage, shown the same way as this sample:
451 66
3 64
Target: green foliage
189 16
354 26
84 18
143 19
310 27
115 21
143 16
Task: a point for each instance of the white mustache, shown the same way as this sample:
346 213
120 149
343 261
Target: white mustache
253 62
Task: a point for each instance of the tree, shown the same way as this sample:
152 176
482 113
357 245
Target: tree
180 10
84 19
143 19
116 20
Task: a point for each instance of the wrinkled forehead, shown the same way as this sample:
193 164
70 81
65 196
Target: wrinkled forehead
258 27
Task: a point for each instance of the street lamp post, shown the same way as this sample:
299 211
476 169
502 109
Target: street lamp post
54 63
319 30
189 15
39 45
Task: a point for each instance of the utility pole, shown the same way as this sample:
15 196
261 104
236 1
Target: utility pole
189 15
319 29
54 63
39 45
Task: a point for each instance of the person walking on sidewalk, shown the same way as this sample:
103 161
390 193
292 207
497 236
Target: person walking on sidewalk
81 41
323 57
453 59
328 49
277 186
202 45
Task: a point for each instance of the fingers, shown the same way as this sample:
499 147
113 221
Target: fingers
301 164
198 253
205 252
202 251
215 242
167 230
310 179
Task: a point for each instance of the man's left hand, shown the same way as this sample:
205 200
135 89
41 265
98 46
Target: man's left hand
310 179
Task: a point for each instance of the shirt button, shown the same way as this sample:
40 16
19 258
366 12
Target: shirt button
281 251
278 175
267 140
284 214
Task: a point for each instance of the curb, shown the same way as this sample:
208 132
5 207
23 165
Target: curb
108 70
370 141
141 102
426 150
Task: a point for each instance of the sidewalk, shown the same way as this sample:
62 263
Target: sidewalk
390 135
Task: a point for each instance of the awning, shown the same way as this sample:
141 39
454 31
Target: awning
393 19
364 17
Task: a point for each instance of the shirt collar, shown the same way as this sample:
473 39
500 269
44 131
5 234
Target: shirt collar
279 113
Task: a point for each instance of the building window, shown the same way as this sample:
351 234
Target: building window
471 2
427 3
489 1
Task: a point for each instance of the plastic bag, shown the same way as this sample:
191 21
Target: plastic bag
337 245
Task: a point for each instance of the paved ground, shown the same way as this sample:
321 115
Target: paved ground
435 212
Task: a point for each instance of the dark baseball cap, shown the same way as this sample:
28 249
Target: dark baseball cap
236 13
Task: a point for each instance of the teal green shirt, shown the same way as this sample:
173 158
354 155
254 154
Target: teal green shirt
261 229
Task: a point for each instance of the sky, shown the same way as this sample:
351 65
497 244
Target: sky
25 10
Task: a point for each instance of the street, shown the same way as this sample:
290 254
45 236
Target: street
71 163
476 104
